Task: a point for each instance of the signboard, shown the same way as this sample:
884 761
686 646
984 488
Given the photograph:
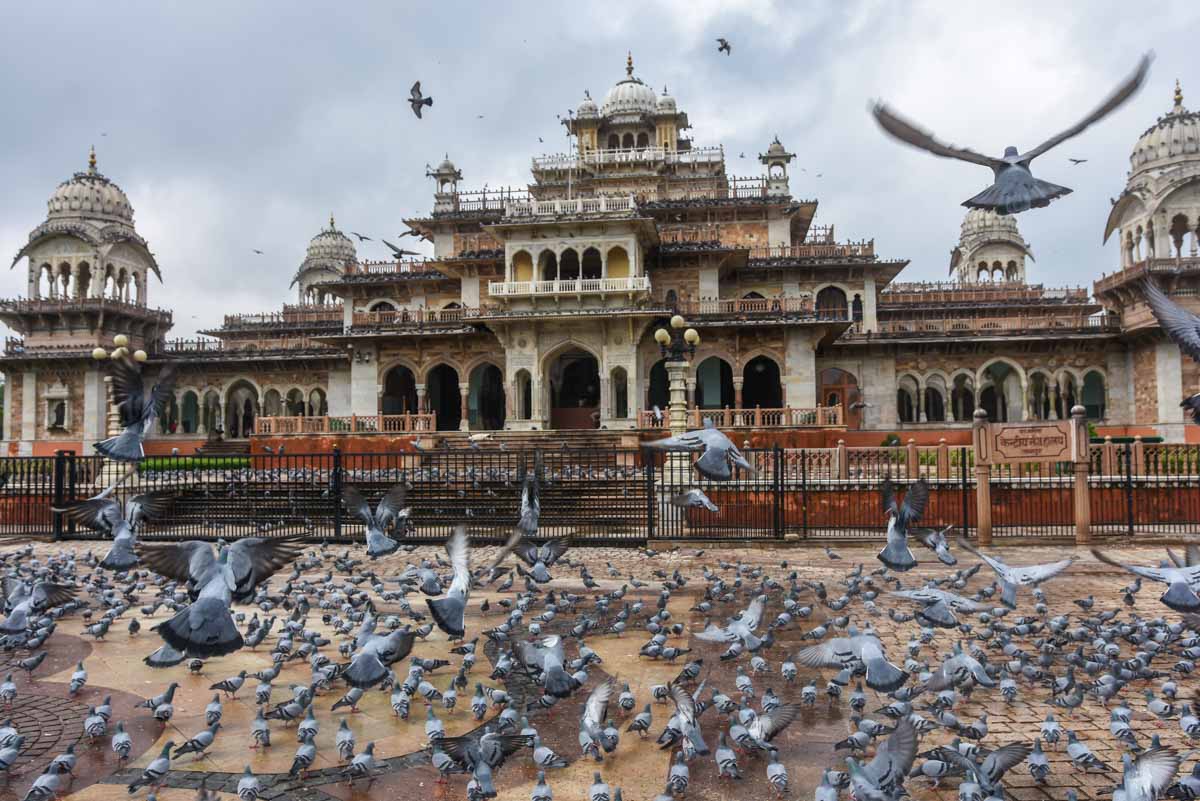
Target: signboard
1008 443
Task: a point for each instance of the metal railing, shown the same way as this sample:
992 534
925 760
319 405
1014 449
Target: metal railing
348 424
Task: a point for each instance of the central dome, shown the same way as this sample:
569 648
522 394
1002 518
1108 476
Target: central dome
90 195
630 96
331 245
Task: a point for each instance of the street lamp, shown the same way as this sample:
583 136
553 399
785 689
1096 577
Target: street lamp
120 351
677 345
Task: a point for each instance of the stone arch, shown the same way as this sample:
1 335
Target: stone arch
832 303
568 264
83 279
524 382
962 395
294 402
627 141
1040 394
762 384
241 405
617 261
614 141
1000 387
547 265
1179 230
643 139
522 266
1012 273
399 389
714 384
592 264
571 385
618 393
168 421
907 389
210 411
936 397
318 403
189 412
486 401
1093 394
658 386
272 403
444 395
383 304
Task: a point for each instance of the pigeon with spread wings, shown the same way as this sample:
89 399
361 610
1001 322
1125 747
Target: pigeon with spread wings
215 580
390 509
24 600
417 100
896 554
104 513
883 777
1013 577
1014 189
450 612
863 650
1182 582
1180 325
720 454
138 409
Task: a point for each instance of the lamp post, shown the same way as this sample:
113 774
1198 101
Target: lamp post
678 345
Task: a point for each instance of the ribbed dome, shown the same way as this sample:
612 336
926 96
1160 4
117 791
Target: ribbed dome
90 195
331 245
587 109
985 222
630 96
666 103
1173 135
447 165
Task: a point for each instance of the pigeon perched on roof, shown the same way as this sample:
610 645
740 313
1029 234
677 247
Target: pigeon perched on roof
1014 188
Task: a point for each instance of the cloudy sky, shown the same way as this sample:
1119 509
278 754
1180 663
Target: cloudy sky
236 126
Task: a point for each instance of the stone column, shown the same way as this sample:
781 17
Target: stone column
28 410
422 407
920 404
94 400
1169 381
799 374
364 382
464 391
677 406
737 392
870 321
691 392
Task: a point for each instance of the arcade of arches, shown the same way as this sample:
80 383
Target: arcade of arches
1002 389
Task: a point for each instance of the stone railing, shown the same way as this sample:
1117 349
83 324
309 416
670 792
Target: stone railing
846 250
577 286
348 424
386 267
958 326
819 417
630 155
56 305
925 293
735 307
291 315
400 318
1147 267
622 204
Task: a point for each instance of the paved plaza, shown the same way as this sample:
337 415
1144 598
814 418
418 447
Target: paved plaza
51 719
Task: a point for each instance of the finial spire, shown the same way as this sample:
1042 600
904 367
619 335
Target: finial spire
1178 96
92 159
629 63
332 227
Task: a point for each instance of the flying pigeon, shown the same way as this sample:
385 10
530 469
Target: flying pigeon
389 510
1181 326
1014 189
896 554
1182 582
138 410
104 514
719 456
449 612
723 46
417 100
1013 577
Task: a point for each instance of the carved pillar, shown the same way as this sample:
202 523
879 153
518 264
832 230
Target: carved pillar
422 407
737 392
464 391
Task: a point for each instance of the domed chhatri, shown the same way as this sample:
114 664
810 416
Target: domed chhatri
587 109
630 96
990 248
90 195
1176 134
329 253
666 103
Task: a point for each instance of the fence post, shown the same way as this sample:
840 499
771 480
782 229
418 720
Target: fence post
777 490
58 493
1130 451
943 459
335 487
1083 509
965 489
913 459
648 464
804 492
1108 457
983 491
843 469
1139 456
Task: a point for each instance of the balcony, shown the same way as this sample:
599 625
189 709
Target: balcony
925 293
567 287
416 320
622 204
1138 271
863 250
628 156
291 316
818 417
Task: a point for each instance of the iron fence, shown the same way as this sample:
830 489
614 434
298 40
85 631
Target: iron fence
608 496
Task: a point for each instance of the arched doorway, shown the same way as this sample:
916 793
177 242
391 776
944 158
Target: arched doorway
962 398
831 304
190 418
1000 393
1093 395
211 415
573 379
241 409
658 391
714 384
399 391
840 388
295 402
317 404
272 403
485 401
619 393
445 400
524 395
760 384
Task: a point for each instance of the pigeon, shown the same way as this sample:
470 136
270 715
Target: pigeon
390 509
156 771
104 514
138 411
1014 189
882 779
1148 776
1013 577
693 497
199 743
399 253
719 455
595 712
546 660
362 765
417 100
740 628
723 46
896 554
540 557
935 540
1181 326
375 653
450 612
864 649
205 628
1181 582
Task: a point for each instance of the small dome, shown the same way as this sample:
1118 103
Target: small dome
587 109
985 222
666 103
446 166
1174 135
777 148
331 245
630 96
90 195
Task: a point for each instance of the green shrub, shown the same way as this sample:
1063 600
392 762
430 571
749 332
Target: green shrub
164 463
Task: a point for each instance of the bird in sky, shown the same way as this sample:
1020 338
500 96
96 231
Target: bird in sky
256 250
723 46
417 100
400 252
1076 161
362 238
1014 189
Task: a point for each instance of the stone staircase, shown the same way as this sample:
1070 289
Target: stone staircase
225 447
